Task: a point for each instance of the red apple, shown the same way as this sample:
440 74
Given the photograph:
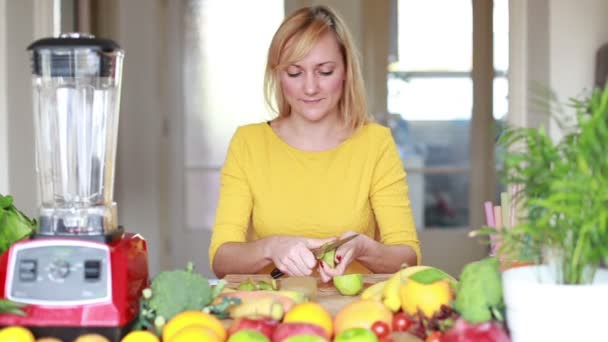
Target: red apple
264 325
286 330
463 331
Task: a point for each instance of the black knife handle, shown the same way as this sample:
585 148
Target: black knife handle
276 273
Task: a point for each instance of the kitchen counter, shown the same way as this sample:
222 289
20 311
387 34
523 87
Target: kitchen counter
327 295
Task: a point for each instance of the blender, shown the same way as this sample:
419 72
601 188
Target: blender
81 272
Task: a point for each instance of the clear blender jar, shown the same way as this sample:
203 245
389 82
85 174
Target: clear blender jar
76 83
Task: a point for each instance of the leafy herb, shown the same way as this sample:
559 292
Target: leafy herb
14 225
431 275
10 307
562 197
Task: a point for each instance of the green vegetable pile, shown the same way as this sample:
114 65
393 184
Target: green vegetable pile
14 225
479 291
172 292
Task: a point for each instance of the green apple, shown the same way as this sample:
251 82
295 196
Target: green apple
349 284
329 258
356 335
248 336
305 338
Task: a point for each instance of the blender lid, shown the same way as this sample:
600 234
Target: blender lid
75 40
97 55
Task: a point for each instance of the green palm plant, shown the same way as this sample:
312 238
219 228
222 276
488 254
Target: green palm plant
563 192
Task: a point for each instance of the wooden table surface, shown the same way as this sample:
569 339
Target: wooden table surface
327 294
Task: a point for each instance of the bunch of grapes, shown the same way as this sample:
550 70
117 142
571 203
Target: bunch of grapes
441 321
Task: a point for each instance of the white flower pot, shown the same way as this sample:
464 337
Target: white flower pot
538 309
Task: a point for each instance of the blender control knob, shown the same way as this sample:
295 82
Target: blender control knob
60 269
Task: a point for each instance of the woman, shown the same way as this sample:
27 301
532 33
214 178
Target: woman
319 171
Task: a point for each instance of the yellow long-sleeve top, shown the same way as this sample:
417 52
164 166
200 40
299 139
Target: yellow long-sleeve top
276 189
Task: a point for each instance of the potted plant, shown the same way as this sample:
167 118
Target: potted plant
561 226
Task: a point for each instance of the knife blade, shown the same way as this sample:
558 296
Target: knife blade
318 253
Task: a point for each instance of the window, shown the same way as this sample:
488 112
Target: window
430 98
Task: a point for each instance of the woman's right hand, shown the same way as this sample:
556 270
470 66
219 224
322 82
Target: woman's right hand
292 254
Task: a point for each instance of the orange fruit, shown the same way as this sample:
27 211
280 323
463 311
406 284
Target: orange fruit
194 333
193 317
310 312
92 337
16 334
427 298
140 336
362 313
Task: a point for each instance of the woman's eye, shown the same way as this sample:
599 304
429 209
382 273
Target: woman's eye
326 73
293 74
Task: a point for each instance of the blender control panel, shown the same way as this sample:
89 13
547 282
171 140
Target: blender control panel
61 272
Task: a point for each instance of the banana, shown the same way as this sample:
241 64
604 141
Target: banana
390 293
374 292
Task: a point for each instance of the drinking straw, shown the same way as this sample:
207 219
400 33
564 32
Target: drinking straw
513 194
494 244
498 217
489 213
505 203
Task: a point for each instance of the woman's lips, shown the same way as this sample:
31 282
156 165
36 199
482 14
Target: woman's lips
311 101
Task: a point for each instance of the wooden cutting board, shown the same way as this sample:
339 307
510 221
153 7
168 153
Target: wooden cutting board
327 294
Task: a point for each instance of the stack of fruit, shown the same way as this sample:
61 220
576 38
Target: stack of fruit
433 306
419 303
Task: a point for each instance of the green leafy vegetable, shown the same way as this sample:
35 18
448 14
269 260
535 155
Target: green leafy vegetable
179 290
10 307
479 291
14 225
172 292
431 275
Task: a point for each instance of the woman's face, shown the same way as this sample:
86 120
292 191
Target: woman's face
313 86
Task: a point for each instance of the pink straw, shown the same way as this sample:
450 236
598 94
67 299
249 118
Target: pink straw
489 214
494 240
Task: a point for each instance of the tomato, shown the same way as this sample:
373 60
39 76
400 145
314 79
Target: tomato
435 336
381 329
402 321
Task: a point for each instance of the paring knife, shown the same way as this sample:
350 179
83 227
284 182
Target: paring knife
318 253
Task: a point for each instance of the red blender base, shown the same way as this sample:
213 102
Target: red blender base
74 286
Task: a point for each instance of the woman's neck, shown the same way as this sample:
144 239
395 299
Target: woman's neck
311 136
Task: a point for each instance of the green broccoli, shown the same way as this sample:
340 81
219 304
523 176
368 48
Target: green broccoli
479 292
179 290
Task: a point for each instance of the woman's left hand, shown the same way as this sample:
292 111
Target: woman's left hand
345 255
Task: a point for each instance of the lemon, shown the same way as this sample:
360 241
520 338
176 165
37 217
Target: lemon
16 334
194 333
427 298
194 317
310 312
91 338
140 336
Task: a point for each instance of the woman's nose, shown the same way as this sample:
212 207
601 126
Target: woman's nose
311 85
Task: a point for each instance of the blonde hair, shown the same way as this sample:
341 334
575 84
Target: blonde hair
296 36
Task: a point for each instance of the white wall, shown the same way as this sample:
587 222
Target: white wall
4 189
577 30
19 24
138 181
553 43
